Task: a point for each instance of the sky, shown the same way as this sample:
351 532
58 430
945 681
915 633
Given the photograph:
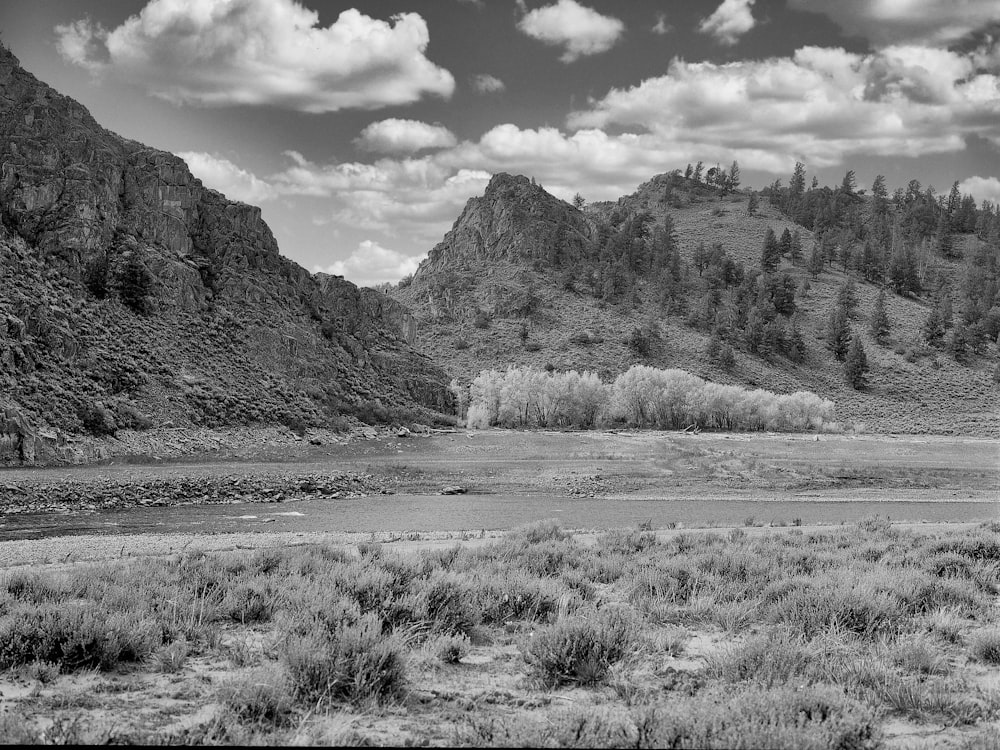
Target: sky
361 129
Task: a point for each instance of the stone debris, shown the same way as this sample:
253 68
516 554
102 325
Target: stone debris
107 493
453 489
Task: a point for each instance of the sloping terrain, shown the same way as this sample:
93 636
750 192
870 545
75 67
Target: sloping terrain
132 296
486 298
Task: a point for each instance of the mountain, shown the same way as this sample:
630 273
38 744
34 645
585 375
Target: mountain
672 273
131 296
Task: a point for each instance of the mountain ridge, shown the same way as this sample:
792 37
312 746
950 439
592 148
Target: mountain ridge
132 296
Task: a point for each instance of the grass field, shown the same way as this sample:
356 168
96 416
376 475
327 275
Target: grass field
853 637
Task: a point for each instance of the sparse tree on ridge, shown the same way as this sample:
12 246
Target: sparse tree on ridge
697 171
753 202
839 333
880 326
771 252
856 364
579 201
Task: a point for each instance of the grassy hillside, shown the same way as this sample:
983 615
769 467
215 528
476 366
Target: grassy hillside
912 388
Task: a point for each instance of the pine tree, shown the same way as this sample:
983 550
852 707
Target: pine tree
752 203
771 252
579 201
816 259
727 360
785 243
688 172
880 325
856 364
714 347
795 344
880 204
958 346
933 328
796 249
697 171
847 296
135 284
839 333
848 185
733 180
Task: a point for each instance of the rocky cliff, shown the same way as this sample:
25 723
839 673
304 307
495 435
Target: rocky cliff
514 220
131 295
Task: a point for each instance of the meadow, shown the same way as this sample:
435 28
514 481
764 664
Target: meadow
853 636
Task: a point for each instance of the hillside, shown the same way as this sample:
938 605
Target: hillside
133 297
483 300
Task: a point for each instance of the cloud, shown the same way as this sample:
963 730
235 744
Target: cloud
821 106
487 84
981 188
888 22
661 26
580 30
221 174
262 52
396 136
372 264
729 22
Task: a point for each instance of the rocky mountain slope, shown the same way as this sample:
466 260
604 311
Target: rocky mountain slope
523 278
132 296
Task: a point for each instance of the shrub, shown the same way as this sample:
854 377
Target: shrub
260 698
580 650
98 419
448 602
985 646
450 648
354 663
134 283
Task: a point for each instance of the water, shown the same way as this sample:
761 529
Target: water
400 513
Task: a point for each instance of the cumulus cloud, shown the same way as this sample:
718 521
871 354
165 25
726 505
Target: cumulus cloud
820 106
578 29
661 26
372 264
730 21
221 174
396 136
262 52
906 21
484 83
981 188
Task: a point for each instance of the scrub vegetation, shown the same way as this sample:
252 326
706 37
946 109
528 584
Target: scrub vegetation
848 636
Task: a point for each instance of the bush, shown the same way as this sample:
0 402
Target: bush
261 698
97 419
985 646
580 650
354 663
450 648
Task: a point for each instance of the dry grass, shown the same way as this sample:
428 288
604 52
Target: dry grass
785 639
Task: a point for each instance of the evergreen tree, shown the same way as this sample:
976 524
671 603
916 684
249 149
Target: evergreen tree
795 251
688 171
933 329
771 252
714 347
815 265
727 360
579 201
733 180
880 204
95 275
785 243
795 344
847 296
856 364
697 172
880 325
838 333
848 186
958 346
135 284
752 203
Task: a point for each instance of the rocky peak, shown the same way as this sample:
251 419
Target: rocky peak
515 220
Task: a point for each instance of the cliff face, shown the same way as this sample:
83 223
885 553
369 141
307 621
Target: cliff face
219 328
515 220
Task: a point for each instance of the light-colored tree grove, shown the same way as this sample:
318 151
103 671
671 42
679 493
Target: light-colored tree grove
641 397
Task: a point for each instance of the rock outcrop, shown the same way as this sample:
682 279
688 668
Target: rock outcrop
514 220
130 294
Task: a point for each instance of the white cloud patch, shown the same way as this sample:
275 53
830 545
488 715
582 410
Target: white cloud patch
578 29
906 21
221 174
981 188
661 26
396 136
731 20
484 83
820 106
372 264
262 52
